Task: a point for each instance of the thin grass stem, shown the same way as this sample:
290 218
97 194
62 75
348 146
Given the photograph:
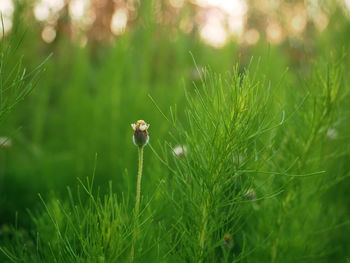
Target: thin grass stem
137 204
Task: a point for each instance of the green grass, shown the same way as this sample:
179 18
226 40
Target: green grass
263 178
204 195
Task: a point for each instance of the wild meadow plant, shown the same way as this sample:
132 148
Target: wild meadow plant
16 82
211 188
243 179
140 139
298 164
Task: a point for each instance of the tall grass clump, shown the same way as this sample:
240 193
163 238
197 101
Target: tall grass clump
252 168
228 122
16 82
304 224
94 230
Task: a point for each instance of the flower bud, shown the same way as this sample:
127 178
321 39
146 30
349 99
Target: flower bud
141 137
228 241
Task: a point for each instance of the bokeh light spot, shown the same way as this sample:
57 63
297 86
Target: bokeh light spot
44 8
6 9
119 21
298 23
48 34
41 12
274 33
252 36
347 4
213 32
77 8
177 3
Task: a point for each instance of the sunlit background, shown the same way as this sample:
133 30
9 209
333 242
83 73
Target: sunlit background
216 21
109 63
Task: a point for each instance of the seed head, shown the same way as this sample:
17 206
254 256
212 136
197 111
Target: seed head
228 241
140 137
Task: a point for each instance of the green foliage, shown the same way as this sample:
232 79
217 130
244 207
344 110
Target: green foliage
15 82
239 192
77 231
260 172
226 119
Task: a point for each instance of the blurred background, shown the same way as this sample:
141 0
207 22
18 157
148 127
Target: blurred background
215 22
110 55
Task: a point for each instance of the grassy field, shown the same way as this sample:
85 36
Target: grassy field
248 158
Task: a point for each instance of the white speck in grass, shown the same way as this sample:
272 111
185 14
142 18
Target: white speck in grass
332 133
238 159
250 194
180 150
197 73
5 142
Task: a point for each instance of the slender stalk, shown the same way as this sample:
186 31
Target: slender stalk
203 234
137 204
204 230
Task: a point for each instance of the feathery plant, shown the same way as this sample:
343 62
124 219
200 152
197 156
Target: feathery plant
227 118
95 230
303 142
15 82
254 166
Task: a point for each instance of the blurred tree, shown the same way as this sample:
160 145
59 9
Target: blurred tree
103 11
